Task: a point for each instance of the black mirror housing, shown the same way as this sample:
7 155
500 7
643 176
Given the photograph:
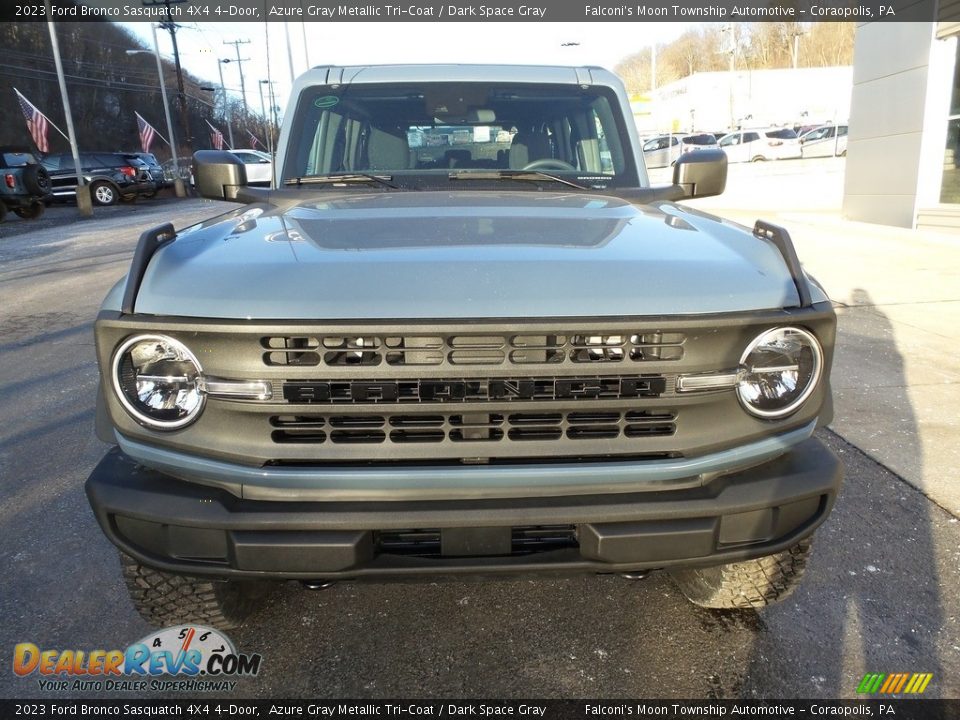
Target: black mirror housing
219 174
701 173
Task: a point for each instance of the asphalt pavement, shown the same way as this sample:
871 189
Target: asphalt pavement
880 594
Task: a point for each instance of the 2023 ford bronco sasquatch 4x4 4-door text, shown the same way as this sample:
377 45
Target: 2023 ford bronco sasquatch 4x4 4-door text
461 333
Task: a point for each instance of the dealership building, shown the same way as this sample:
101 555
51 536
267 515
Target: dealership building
903 161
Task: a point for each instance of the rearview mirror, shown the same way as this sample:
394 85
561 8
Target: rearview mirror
701 173
219 175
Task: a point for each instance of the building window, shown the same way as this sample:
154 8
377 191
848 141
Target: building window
950 187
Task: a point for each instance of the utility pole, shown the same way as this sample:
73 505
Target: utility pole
306 51
172 28
243 88
84 204
286 30
266 122
226 105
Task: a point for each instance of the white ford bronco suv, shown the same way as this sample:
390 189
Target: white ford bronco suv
461 333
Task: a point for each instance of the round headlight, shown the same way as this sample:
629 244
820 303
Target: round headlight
158 381
778 371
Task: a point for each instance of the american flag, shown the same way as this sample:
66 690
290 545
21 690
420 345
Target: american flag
216 137
37 123
254 141
147 132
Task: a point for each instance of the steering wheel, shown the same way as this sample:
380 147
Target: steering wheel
549 164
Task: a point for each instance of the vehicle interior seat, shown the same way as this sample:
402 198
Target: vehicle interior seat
527 147
387 150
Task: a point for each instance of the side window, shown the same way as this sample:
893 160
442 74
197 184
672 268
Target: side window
750 137
843 130
651 145
730 140
51 162
674 140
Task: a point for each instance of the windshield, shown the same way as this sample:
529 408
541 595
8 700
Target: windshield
420 134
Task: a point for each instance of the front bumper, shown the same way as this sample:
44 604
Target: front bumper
198 530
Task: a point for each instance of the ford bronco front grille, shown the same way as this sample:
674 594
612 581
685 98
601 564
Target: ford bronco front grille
458 350
480 390
470 427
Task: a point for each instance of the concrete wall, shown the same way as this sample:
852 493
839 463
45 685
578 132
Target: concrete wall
895 96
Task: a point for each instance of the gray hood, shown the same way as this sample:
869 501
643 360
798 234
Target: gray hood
447 255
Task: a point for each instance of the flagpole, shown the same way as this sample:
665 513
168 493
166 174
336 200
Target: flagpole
48 119
82 194
154 129
178 187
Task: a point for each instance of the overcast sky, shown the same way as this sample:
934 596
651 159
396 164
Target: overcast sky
365 43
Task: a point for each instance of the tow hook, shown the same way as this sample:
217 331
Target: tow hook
317 584
637 575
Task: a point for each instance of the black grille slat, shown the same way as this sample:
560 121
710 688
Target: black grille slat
473 390
576 347
472 427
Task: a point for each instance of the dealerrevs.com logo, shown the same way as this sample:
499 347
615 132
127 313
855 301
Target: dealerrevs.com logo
201 658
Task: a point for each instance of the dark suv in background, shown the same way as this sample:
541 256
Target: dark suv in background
111 176
155 169
24 183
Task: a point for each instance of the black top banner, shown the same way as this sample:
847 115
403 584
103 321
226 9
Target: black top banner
470 10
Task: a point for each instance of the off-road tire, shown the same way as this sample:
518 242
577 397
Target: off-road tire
165 599
748 584
36 180
104 198
32 212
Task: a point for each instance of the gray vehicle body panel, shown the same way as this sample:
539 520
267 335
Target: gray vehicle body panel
348 255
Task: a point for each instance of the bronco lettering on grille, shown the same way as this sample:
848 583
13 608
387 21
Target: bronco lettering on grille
483 390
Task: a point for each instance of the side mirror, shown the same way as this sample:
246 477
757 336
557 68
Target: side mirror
219 175
701 173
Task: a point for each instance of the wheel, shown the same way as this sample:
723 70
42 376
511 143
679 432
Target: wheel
32 212
164 599
758 158
36 180
748 584
103 193
549 164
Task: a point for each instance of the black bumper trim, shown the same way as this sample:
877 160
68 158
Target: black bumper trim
192 529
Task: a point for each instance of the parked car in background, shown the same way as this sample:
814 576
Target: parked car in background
186 170
155 168
663 150
698 141
111 176
761 144
259 166
824 141
25 185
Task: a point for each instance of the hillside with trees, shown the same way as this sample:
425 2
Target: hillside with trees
758 46
106 86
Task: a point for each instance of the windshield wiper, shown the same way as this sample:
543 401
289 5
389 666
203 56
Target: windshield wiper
345 178
521 175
